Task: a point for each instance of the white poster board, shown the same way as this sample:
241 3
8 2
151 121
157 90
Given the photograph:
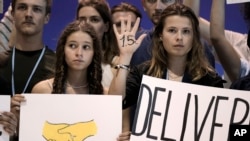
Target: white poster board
68 117
4 106
236 1
186 112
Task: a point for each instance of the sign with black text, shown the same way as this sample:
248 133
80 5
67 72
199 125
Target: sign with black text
168 110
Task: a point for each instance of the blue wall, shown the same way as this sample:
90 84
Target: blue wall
63 12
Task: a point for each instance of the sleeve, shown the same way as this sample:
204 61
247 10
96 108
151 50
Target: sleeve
6 25
132 87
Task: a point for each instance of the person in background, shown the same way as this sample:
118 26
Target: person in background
177 55
97 14
230 47
243 83
7 36
78 66
154 8
6 30
86 1
30 61
121 11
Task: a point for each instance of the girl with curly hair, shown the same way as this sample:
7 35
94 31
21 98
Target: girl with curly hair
78 64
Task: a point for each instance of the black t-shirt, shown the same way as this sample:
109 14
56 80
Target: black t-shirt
24 64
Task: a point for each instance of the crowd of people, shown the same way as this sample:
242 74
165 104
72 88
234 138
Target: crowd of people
106 51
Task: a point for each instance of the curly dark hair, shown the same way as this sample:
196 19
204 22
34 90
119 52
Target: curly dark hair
94 72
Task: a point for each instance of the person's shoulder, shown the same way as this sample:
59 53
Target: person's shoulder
50 55
141 68
49 50
43 86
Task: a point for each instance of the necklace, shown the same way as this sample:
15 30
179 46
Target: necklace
76 87
31 75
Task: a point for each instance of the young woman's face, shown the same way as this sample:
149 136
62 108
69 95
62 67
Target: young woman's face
79 51
91 16
177 36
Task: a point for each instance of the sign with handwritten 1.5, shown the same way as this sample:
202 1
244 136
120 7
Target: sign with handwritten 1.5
4 106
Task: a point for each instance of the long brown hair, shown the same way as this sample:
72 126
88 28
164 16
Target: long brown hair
94 72
197 64
108 41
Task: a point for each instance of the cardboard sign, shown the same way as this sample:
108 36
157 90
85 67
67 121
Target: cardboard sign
69 117
236 1
4 106
168 110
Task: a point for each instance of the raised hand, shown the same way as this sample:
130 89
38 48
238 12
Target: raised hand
126 39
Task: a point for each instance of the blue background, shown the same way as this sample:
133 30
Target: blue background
63 12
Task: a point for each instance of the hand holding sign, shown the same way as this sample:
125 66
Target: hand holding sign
5 119
15 104
9 122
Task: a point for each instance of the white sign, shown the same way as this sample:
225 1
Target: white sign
4 106
236 1
60 117
168 110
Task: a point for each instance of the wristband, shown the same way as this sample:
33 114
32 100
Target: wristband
121 66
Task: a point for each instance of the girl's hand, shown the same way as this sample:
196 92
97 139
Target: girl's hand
16 103
125 136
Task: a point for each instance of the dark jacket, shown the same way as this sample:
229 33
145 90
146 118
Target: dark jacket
135 77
